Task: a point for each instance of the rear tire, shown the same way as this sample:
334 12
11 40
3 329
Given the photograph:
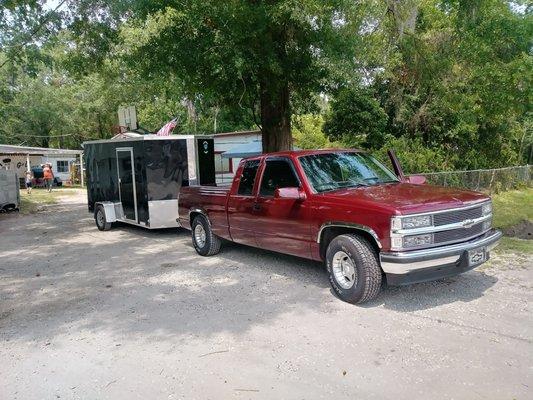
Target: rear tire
100 219
203 239
353 267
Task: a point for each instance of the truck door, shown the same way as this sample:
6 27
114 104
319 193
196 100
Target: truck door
241 203
281 224
126 182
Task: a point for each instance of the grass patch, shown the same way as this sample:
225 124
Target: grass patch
512 207
30 203
515 245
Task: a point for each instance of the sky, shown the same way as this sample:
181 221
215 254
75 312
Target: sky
52 4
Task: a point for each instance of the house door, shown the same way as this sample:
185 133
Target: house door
126 182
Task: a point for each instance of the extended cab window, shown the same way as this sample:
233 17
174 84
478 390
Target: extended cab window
278 174
246 185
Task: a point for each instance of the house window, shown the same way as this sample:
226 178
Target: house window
222 165
62 166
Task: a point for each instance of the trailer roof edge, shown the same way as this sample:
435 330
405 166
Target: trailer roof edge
147 137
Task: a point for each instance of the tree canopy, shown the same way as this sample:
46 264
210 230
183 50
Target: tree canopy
446 82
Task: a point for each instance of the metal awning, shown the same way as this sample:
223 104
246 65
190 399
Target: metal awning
25 150
250 149
253 148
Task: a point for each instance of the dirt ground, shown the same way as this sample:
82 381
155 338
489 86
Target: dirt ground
136 314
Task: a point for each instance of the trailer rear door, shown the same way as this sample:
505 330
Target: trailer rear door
126 182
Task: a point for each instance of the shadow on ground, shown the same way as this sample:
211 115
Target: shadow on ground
59 273
461 288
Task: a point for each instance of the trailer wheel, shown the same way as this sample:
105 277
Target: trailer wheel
353 268
99 217
204 241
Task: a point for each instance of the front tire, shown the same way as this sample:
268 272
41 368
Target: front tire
353 267
203 239
100 219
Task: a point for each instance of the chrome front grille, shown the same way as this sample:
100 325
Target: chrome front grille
453 217
446 227
457 234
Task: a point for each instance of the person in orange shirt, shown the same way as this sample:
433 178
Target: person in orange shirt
48 176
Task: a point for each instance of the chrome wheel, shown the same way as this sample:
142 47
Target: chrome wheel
344 270
199 235
100 218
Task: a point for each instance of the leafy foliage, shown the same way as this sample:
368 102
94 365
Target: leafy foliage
307 131
356 119
447 83
461 82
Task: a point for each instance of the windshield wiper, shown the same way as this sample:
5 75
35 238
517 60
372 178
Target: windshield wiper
355 184
350 184
338 187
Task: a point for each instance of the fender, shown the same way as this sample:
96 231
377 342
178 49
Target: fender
109 210
354 226
199 211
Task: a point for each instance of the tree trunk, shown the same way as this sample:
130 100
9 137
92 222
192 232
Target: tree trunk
275 116
100 127
45 133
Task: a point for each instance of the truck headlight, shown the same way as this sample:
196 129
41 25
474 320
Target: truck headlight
420 221
418 240
396 223
486 208
487 224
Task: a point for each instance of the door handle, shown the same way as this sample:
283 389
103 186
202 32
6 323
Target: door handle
256 207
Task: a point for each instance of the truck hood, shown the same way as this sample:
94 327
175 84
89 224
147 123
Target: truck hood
407 198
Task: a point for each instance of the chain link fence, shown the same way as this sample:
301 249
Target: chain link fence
485 180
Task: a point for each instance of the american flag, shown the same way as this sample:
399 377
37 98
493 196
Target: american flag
166 130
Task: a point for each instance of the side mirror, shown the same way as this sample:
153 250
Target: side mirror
416 179
291 193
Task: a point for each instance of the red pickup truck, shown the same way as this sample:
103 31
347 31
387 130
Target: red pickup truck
344 207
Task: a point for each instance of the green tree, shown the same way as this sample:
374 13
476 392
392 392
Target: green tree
356 118
24 25
256 54
459 78
308 132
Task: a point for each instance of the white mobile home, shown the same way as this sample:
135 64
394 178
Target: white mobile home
22 158
225 167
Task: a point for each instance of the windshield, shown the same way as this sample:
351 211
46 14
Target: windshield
331 171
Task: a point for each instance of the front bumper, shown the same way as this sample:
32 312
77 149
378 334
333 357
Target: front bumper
407 267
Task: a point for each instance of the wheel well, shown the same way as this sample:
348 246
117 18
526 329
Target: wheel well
328 234
194 214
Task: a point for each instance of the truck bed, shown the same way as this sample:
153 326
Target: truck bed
209 200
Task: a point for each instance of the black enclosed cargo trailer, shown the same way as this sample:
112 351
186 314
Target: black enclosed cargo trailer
137 179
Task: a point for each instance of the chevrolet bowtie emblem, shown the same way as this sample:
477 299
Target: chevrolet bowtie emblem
467 223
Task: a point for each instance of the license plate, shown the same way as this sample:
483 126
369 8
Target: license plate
476 256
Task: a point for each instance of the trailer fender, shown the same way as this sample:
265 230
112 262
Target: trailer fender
109 209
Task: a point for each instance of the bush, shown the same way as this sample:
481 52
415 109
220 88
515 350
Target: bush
307 132
415 157
356 118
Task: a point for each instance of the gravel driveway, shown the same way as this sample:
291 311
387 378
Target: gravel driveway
136 314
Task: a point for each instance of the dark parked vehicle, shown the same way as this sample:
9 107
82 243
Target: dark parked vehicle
38 178
346 208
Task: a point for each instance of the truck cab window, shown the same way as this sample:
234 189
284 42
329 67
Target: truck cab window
246 185
278 174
